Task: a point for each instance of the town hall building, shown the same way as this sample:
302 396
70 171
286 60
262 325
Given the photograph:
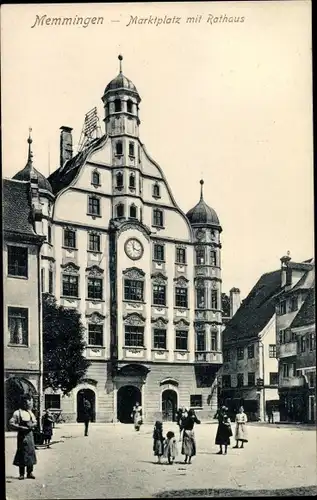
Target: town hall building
145 276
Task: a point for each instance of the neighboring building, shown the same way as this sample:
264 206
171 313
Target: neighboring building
249 375
234 304
145 277
295 333
22 240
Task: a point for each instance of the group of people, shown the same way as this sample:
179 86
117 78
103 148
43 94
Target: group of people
224 431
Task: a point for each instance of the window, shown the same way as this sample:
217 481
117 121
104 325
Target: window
240 353
272 350
240 380
52 401
251 379
294 369
294 303
50 282
157 217
302 344
17 261
134 336
117 105
200 298
95 288
293 336
213 258
214 342
133 290
180 255
226 380
282 336
156 190
42 280
120 210
70 285
94 242
285 368
181 297
273 378
159 252
251 351
200 255
226 355
311 376
181 340
95 179
196 400
129 106
132 213
159 295
69 238
214 299
159 338
311 342
119 180
49 233
200 341
93 205
132 181
119 148
131 148
282 307
18 321
95 334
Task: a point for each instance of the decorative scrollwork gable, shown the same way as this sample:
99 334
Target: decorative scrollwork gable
135 225
181 281
134 273
94 270
199 283
95 318
159 322
70 268
134 319
181 323
159 279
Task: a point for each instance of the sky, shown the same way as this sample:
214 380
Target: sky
227 101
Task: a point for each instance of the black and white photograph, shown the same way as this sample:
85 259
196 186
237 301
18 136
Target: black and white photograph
158 250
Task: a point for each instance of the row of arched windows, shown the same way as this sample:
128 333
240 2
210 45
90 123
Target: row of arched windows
120 211
119 148
119 180
118 105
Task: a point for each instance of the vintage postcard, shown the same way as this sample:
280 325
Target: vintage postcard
158 249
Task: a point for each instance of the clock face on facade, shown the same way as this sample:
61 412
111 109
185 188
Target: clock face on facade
133 248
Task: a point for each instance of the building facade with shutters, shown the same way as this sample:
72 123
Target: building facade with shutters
145 276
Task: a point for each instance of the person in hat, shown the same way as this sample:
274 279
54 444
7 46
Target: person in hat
224 431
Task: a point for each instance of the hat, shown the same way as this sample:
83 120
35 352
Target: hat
224 408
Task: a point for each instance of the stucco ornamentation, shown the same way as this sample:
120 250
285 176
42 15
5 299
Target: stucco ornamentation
135 225
214 284
70 268
200 283
134 319
201 271
159 322
181 323
94 270
181 281
134 273
135 350
95 317
158 279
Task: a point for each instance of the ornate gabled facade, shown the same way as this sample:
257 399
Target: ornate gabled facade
145 277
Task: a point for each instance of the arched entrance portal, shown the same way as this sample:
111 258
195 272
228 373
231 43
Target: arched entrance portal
15 388
169 405
88 394
127 396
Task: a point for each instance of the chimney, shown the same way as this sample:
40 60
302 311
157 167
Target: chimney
235 301
286 271
66 145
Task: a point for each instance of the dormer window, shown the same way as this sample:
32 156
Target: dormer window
129 106
119 148
132 181
117 105
119 180
131 148
95 179
120 210
133 211
156 191
200 256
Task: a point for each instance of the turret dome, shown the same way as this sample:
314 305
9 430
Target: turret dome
202 213
121 82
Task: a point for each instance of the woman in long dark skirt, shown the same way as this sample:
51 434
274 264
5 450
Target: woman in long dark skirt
224 431
24 421
47 427
189 442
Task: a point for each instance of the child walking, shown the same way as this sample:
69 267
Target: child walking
158 441
170 447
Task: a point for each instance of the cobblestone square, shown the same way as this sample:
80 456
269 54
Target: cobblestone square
114 461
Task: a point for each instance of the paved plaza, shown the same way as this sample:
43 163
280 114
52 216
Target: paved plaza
114 461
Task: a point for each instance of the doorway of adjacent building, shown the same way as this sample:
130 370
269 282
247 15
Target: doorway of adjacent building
88 394
169 405
127 396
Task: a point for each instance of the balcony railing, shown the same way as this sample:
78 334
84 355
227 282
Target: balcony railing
289 382
286 350
208 357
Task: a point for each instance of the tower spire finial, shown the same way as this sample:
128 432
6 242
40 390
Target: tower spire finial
201 189
120 57
30 154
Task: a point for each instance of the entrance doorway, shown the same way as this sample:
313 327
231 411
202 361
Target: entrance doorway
15 388
88 394
169 405
127 396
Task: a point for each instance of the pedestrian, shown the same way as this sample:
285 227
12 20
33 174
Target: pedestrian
137 416
47 427
241 428
270 415
170 447
158 441
181 415
189 442
224 431
87 414
23 420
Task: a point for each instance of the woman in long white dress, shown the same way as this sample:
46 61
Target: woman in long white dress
241 428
